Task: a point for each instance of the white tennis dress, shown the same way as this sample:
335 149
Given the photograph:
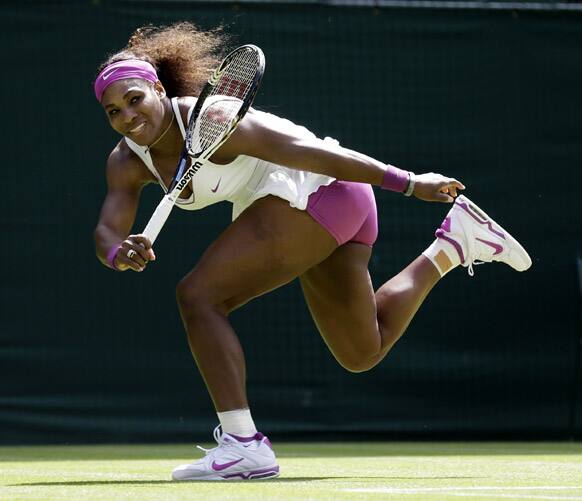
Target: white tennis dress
245 179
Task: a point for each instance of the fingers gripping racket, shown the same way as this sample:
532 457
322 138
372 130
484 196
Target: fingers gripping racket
222 104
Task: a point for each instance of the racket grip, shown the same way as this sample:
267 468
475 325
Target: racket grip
158 219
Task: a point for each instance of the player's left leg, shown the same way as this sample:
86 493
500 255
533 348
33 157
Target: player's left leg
359 325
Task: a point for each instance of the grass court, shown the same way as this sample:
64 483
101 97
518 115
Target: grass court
428 471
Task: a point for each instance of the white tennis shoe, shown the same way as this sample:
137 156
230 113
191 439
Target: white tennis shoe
479 239
232 459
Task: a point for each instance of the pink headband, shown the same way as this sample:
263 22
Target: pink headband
130 68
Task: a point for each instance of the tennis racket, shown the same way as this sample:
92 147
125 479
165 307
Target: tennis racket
223 102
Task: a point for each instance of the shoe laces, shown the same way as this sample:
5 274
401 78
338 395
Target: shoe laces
217 434
470 270
471 251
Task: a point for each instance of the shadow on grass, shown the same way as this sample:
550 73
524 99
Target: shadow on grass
305 450
85 483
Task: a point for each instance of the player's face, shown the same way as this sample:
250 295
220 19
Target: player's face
135 109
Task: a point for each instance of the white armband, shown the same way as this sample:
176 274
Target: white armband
411 182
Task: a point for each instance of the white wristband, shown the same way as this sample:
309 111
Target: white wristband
411 182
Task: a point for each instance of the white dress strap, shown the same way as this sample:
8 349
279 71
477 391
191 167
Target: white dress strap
143 153
178 116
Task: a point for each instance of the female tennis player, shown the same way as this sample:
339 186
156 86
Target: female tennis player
303 207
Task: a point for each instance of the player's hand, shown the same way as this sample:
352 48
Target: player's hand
134 254
433 187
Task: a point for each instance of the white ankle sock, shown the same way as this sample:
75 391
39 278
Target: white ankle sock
433 251
238 422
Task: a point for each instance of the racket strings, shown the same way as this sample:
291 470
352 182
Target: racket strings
225 100
239 75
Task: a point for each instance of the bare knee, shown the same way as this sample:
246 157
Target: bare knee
196 299
362 353
358 360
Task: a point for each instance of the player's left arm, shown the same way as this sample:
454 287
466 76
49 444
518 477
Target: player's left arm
259 138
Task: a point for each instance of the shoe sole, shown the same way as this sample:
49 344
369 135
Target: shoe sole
515 249
262 474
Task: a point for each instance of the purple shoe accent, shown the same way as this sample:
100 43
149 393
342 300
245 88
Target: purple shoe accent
246 440
498 248
268 443
220 467
468 210
441 234
446 225
262 473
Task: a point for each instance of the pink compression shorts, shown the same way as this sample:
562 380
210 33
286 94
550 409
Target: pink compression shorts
347 210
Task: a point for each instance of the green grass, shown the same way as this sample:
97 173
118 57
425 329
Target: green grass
309 471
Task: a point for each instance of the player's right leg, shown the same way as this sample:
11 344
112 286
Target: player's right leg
267 246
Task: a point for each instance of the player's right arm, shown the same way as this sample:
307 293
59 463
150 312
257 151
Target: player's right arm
126 177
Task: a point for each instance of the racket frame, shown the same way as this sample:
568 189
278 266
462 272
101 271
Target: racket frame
185 173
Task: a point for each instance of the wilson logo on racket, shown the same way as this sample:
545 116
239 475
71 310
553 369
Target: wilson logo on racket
232 87
218 115
194 168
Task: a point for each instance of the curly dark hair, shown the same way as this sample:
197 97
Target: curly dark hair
183 54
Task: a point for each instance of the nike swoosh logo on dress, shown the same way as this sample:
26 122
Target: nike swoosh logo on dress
220 467
216 187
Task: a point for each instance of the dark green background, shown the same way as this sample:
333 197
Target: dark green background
492 98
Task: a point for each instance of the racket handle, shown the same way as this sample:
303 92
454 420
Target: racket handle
158 219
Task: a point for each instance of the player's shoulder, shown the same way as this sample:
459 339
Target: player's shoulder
185 104
122 157
125 166
256 123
